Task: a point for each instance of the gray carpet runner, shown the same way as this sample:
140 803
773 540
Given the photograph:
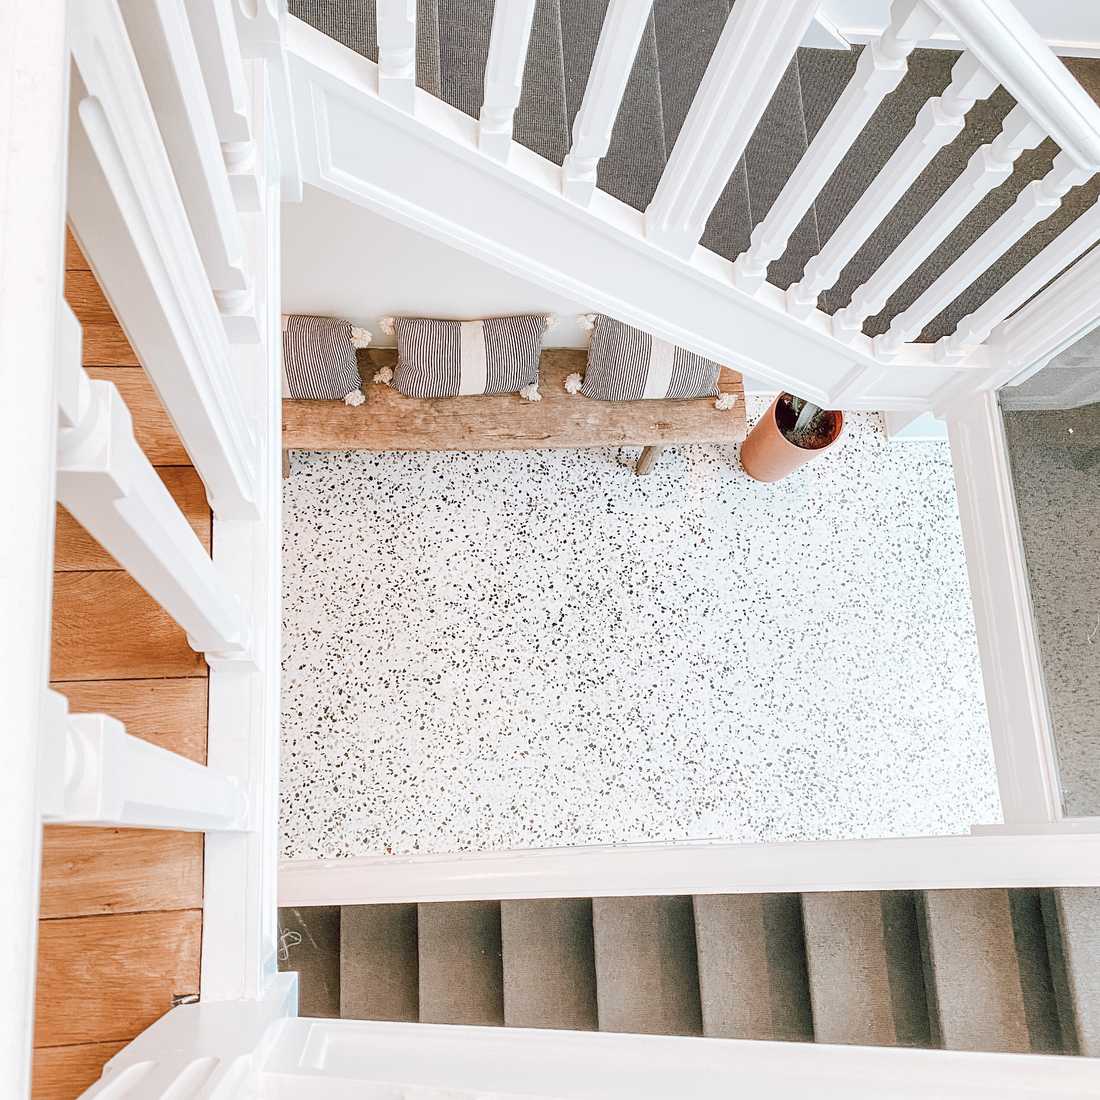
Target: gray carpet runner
978 970
453 41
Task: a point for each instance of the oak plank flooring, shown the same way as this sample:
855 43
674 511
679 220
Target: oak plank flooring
107 346
108 978
106 627
153 430
60 1073
87 300
74 258
76 550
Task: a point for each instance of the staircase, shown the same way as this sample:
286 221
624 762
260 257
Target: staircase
901 204
968 970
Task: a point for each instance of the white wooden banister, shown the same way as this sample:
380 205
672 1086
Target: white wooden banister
105 480
508 41
756 45
987 169
98 774
129 218
161 36
616 50
938 123
1038 201
397 52
880 69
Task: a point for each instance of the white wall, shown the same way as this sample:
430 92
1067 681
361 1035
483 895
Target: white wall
342 260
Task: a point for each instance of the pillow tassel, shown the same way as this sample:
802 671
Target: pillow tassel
531 392
356 397
383 376
550 320
573 383
725 401
388 325
587 321
360 337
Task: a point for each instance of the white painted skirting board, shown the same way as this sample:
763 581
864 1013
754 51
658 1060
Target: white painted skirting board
894 864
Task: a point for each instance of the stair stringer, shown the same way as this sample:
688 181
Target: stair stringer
424 171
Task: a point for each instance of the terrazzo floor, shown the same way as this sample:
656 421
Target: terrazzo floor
538 648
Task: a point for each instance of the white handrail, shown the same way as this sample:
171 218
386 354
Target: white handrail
161 37
508 41
34 90
397 53
616 50
128 214
756 45
880 69
108 484
107 777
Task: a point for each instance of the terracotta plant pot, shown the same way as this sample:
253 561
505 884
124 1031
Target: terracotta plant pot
768 455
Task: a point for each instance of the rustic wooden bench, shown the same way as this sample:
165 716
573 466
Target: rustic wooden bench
388 421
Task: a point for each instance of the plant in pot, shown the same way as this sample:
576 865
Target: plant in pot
789 434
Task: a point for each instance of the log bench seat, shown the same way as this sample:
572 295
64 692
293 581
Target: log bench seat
389 421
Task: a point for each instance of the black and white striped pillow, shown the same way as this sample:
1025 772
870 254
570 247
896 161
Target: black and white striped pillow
626 364
437 358
319 358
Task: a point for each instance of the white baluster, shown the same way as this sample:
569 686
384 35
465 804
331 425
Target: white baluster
937 124
880 69
98 774
757 43
397 53
214 30
988 168
161 37
108 484
128 214
621 33
1039 200
508 41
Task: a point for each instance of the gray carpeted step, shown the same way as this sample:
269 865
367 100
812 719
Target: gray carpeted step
310 942
647 977
1073 938
540 119
461 976
984 973
752 967
549 963
464 27
864 960
637 155
378 962
684 48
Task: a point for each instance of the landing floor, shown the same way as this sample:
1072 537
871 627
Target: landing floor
539 648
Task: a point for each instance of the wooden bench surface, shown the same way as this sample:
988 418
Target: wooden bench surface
387 421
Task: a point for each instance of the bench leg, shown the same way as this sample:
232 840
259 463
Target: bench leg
647 460
286 463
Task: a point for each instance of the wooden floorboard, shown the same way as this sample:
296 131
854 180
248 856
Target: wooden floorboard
388 421
103 979
86 300
76 550
61 1073
74 258
153 430
106 627
107 346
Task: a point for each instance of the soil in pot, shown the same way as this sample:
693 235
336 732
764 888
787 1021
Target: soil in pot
819 432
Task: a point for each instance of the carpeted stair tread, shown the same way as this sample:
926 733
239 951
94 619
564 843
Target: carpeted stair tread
684 48
310 942
1072 923
752 967
540 119
647 977
464 27
378 962
461 976
974 976
864 960
637 155
549 963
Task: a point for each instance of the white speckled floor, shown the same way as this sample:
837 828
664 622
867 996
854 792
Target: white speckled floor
538 648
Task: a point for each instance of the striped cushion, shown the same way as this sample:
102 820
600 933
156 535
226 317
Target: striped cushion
319 359
626 364
450 358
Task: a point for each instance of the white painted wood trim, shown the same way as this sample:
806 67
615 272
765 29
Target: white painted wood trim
239 930
509 37
616 51
108 484
34 93
1015 692
112 779
214 30
129 219
397 52
756 45
916 863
